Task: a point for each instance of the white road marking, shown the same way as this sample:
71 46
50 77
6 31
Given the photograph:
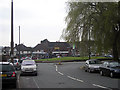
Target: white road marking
75 79
60 73
35 83
101 86
57 70
71 77
79 80
68 76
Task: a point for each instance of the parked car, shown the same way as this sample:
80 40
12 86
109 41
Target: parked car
8 74
108 56
28 67
16 63
110 68
92 65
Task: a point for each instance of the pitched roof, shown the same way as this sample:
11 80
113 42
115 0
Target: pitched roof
23 48
45 44
40 47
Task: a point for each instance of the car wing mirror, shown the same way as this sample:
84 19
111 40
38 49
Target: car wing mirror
108 66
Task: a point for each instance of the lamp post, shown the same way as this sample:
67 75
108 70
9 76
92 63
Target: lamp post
19 43
89 46
12 42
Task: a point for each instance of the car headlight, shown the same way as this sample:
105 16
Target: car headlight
116 71
22 68
34 69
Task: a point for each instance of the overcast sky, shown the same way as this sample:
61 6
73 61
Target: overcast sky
39 20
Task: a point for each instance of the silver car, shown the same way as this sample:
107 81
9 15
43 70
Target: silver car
28 67
92 65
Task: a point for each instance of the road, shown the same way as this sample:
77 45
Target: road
67 75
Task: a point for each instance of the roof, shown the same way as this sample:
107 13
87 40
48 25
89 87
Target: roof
23 48
45 45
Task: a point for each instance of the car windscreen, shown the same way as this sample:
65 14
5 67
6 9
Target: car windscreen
95 62
114 64
28 63
6 68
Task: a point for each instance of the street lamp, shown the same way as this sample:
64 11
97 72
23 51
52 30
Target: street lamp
89 45
19 43
12 42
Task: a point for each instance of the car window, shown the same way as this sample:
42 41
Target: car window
28 63
114 64
95 62
105 63
6 68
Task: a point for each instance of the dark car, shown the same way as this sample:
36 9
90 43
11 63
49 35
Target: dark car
110 68
92 65
8 74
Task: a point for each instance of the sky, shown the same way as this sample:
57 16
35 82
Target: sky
38 20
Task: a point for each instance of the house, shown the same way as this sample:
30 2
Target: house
52 49
45 49
24 50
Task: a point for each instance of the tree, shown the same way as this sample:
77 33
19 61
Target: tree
100 19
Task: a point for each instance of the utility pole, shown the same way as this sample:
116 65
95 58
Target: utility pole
19 43
12 42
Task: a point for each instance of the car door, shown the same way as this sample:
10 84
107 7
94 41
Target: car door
103 67
106 68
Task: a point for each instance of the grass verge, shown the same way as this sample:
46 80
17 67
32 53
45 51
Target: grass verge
71 58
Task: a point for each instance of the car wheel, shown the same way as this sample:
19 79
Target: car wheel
111 74
101 73
89 70
85 69
35 74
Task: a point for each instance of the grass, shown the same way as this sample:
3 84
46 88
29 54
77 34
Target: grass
71 58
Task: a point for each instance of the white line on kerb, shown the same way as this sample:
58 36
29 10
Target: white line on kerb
35 83
60 73
101 86
75 79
